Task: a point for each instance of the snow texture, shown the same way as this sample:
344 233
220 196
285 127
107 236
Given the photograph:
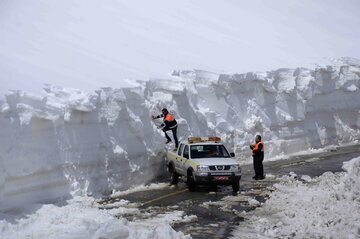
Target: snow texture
323 207
71 142
81 218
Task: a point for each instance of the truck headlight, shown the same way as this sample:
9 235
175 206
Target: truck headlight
201 168
235 167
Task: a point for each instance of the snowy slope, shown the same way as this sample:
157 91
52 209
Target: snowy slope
71 142
321 207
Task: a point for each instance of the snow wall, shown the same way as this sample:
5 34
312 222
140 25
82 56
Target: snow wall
69 142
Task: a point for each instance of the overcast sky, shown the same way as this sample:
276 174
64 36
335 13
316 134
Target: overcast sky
87 44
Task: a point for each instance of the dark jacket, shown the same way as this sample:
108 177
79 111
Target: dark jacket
258 150
169 121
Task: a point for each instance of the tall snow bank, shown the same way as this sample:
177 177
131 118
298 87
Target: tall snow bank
323 207
75 143
293 109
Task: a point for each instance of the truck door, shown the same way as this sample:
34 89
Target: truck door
184 160
178 158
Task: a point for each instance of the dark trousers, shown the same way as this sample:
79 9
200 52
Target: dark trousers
174 132
258 167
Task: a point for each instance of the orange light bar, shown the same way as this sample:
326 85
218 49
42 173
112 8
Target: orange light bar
214 138
194 139
203 139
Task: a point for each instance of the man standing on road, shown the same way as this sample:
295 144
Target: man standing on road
258 157
169 123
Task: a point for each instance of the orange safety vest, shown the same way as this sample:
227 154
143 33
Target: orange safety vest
256 147
169 117
169 120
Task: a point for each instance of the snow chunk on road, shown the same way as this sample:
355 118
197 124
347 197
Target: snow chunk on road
81 219
328 207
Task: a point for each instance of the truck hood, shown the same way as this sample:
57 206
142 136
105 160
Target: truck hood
215 161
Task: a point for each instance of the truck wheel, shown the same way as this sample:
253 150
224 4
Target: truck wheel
191 181
236 185
174 178
174 175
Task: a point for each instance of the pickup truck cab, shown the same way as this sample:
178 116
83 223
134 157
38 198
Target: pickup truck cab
204 160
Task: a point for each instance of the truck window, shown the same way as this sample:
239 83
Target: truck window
209 151
186 152
180 149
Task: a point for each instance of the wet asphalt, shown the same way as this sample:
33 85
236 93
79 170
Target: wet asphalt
215 215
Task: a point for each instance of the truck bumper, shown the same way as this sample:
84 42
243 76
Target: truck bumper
211 178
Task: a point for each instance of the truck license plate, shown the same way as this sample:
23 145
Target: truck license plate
221 178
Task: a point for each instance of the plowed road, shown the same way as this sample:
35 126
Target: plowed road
217 212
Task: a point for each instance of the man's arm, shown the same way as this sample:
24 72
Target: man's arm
260 146
157 117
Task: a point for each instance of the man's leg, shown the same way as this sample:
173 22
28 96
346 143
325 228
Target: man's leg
254 165
174 131
257 162
261 168
166 135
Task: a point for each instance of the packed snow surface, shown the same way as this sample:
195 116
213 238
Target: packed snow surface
323 207
320 207
81 218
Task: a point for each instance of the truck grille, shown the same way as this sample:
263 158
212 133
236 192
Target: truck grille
219 167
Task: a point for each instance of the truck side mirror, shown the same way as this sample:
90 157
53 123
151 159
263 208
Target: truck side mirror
232 155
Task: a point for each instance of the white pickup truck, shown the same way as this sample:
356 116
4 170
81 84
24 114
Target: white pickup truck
204 160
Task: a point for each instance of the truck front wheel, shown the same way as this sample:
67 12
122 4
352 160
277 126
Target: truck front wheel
191 181
174 175
236 185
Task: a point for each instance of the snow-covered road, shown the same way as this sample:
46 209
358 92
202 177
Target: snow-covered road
216 214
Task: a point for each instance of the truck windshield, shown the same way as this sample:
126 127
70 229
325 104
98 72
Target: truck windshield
208 151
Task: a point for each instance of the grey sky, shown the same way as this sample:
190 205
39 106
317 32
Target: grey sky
88 44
